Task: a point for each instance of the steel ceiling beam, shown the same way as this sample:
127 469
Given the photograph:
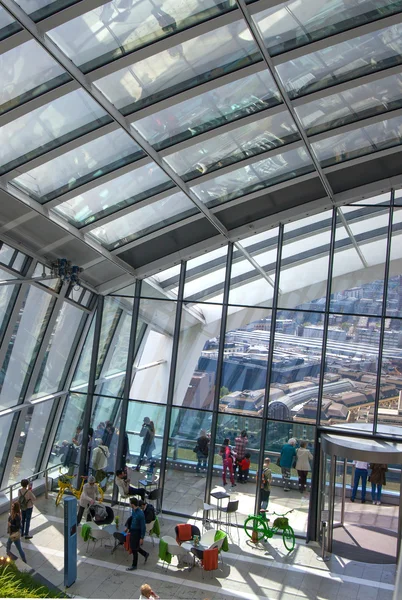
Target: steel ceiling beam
285 97
53 51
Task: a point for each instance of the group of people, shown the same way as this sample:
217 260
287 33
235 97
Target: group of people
237 459
19 520
377 479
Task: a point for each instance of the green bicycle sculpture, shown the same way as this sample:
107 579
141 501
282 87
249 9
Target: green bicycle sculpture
257 528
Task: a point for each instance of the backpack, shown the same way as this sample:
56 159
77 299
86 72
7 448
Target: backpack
70 456
23 500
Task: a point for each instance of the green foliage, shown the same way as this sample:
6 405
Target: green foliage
15 584
281 522
224 391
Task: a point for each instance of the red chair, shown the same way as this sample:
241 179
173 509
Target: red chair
185 532
210 560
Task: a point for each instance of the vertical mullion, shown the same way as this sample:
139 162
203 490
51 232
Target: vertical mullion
172 377
121 459
312 522
269 363
83 467
383 313
219 368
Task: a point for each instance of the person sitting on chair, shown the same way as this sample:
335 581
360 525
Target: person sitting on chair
149 511
124 486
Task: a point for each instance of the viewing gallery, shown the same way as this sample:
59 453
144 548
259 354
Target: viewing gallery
201 298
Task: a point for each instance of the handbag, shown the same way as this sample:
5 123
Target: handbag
278 461
15 536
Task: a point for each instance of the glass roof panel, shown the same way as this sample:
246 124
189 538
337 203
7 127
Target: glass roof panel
205 275
295 23
224 104
79 166
40 9
342 62
144 220
371 138
47 127
118 28
116 194
250 140
27 71
8 25
352 105
256 176
180 68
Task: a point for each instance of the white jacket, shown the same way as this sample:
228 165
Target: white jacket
89 492
303 459
100 454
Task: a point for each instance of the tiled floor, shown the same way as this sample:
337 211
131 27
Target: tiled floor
248 572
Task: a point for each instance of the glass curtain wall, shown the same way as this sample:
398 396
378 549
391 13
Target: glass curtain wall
317 342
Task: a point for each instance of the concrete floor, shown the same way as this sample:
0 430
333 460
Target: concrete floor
249 572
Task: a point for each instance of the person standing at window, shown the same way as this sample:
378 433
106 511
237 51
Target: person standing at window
148 445
266 479
240 449
303 466
286 459
227 458
26 498
202 450
377 480
361 472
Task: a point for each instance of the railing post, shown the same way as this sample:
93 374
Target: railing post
324 556
46 484
11 497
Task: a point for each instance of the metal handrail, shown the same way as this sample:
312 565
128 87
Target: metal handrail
398 581
9 488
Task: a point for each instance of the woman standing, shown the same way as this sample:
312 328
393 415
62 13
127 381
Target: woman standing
227 457
202 450
303 458
377 480
14 531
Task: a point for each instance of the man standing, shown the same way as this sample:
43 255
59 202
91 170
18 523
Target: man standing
361 471
136 525
287 457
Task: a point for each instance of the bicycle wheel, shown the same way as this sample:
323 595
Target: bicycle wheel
255 524
288 536
59 497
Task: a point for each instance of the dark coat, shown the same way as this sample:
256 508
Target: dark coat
377 474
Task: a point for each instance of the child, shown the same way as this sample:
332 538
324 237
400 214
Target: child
244 466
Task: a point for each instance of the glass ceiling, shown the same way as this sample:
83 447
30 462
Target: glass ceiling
201 119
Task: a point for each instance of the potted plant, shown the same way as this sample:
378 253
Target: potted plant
117 521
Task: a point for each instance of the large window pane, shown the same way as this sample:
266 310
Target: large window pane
228 148
79 166
27 71
277 435
352 105
48 127
293 24
351 365
356 287
197 359
230 427
390 407
40 9
181 67
205 276
114 195
6 431
144 220
153 357
81 375
7 297
105 421
343 62
31 437
296 366
224 104
60 350
256 176
141 453
113 349
7 24
24 345
304 264
115 29
184 487
394 295
72 417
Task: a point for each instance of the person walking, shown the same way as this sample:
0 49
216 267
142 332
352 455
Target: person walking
303 466
266 478
202 450
100 455
90 494
361 472
227 457
26 498
148 444
136 526
286 459
377 480
14 532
